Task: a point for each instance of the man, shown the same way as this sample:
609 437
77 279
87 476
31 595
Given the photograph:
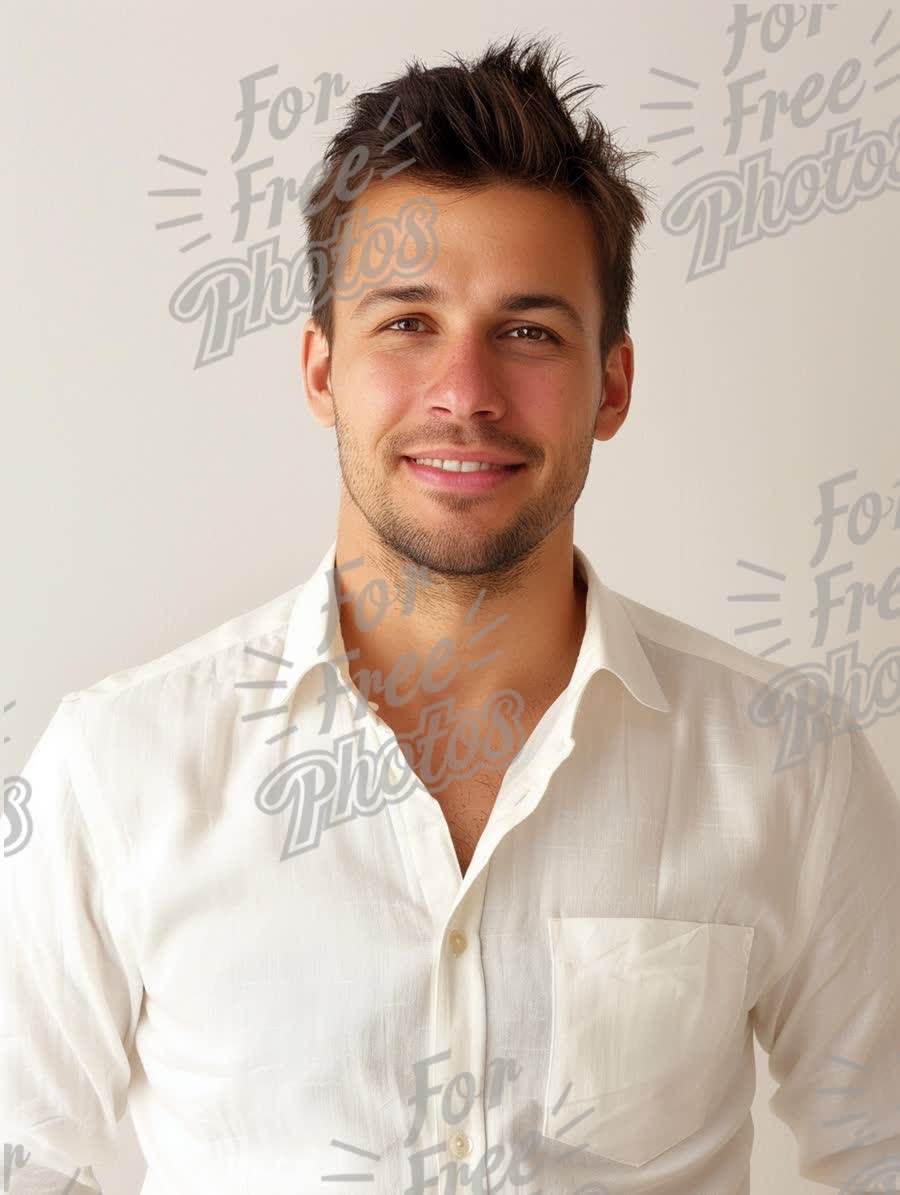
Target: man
454 866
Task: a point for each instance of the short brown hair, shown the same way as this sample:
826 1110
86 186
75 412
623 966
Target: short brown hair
499 118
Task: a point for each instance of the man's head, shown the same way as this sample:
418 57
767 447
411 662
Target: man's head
514 340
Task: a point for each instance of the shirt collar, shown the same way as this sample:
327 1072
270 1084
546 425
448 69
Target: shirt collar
610 640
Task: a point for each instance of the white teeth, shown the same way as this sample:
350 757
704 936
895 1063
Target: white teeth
456 466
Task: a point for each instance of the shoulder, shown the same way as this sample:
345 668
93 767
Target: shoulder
788 711
691 647
196 660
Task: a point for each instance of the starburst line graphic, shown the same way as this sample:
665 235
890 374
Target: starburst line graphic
680 105
179 193
197 192
9 705
766 624
866 1118
368 1176
281 662
689 130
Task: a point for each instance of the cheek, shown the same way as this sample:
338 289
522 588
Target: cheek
376 404
551 415
394 384
386 379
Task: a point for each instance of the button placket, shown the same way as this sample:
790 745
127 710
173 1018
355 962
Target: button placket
459 1024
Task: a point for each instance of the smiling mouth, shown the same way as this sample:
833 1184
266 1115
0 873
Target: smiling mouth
460 466
473 479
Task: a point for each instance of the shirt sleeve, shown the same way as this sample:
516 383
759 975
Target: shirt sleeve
70 991
831 1024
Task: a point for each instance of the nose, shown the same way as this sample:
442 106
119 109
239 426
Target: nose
466 381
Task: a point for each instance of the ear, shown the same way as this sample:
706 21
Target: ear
316 367
616 392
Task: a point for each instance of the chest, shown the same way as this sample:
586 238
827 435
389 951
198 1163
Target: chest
466 799
466 805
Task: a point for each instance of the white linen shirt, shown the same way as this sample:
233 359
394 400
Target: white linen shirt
280 989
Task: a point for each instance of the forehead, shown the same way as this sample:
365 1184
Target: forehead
501 238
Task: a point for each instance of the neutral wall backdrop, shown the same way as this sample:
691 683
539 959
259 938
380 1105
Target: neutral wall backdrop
146 497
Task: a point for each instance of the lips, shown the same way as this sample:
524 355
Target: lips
457 467
454 460
480 458
459 480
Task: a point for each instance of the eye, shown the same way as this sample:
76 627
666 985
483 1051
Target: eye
533 328
552 338
404 319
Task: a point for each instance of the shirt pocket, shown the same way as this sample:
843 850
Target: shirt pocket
643 1010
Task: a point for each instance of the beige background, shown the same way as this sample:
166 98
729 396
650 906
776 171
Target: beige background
144 500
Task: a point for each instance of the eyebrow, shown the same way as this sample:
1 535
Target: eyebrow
426 293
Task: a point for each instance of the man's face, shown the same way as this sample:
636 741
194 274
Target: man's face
466 371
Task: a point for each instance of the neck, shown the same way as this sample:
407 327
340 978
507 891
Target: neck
427 635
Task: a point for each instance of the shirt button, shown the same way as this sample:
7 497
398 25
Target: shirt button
457 942
459 1145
